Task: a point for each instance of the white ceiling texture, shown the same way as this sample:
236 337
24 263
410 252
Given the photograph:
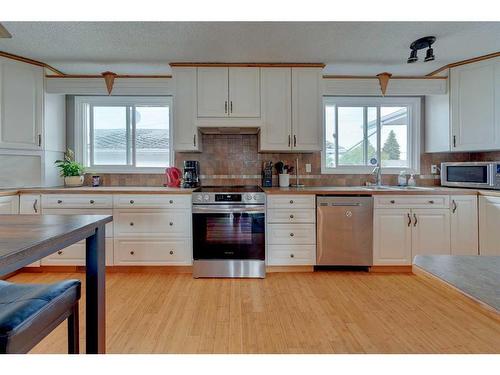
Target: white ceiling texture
347 48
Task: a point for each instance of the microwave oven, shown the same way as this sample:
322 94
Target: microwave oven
479 175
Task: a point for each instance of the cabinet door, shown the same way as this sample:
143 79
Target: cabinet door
29 204
392 237
473 107
489 224
306 109
244 92
430 231
185 133
213 87
464 225
9 205
21 105
276 103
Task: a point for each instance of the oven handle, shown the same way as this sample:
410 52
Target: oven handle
199 209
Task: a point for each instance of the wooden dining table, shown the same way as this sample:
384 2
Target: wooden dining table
25 239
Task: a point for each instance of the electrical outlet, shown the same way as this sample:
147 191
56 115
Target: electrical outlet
308 168
434 169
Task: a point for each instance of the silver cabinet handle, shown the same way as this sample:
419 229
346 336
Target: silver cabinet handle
291 216
92 201
289 140
131 224
294 140
454 206
171 252
194 140
59 252
131 201
231 107
59 201
409 219
416 221
170 201
132 253
225 106
431 202
291 201
393 201
35 206
171 223
291 255
291 234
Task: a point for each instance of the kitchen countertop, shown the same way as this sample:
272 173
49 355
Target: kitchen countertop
100 190
354 190
478 277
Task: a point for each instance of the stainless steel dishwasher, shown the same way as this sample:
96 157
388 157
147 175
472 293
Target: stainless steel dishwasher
344 231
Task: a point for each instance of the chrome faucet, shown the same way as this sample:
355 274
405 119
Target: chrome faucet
377 172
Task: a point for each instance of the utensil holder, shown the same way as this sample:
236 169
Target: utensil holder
284 179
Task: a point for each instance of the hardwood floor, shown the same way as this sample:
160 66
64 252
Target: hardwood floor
322 312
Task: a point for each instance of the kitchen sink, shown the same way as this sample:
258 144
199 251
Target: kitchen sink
387 187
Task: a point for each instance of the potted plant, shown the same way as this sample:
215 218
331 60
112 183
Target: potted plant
71 170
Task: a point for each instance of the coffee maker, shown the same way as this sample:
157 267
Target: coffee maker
191 174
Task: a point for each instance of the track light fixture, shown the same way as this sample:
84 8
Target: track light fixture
425 42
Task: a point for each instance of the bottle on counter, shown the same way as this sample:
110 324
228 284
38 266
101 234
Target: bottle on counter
402 179
411 181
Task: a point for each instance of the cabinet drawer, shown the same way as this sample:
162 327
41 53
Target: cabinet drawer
150 223
82 211
147 252
77 201
304 215
291 234
286 255
291 201
74 255
152 201
412 201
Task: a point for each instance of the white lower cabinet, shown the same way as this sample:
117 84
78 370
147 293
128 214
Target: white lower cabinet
291 230
74 255
401 233
29 204
489 225
152 252
464 225
9 205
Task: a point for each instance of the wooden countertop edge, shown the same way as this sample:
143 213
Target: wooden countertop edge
107 190
333 191
490 310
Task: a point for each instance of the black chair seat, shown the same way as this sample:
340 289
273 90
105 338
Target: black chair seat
28 312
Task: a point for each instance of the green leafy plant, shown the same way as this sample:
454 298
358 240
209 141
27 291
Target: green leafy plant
69 167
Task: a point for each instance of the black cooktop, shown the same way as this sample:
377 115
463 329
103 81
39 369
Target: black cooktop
229 189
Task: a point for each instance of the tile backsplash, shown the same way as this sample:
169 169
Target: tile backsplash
234 160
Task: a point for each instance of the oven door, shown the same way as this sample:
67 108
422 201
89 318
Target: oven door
474 175
229 232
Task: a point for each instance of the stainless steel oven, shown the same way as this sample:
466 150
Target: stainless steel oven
229 232
479 175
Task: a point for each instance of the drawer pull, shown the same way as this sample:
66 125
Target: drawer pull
171 252
59 201
291 216
170 223
131 201
170 201
291 235
431 202
393 201
131 224
132 253
59 252
92 201
291 255
291 201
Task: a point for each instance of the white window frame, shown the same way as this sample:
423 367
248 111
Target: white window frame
414 141
81 131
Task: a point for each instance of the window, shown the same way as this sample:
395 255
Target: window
114 134
360 131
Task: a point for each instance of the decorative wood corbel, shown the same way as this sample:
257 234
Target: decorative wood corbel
109 78
383 79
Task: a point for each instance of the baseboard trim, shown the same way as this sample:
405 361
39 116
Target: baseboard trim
272 269
390 269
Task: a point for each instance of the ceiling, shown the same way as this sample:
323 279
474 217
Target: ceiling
347 48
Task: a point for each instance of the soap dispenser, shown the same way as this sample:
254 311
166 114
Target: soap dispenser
402 178
411 181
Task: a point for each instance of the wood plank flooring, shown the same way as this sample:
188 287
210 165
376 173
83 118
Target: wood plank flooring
322 312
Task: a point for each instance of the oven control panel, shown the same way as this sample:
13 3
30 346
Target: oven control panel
229 198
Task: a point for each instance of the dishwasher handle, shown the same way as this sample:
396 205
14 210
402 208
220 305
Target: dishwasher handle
353 204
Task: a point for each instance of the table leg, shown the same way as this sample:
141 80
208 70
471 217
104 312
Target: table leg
95 293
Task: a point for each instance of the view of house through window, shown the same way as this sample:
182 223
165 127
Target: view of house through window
126 133
358 131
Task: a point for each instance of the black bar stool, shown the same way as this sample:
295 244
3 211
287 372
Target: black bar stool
29 312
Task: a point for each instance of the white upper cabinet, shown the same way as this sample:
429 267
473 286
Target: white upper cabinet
276 104
228 92
475 101
306 109
21 105
244 92
185 131
213 94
